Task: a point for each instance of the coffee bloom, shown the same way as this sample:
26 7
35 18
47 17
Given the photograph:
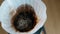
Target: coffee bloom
22 16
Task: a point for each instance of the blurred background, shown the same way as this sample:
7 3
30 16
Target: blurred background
52 25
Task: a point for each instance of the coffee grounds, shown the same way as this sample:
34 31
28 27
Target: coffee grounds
25 19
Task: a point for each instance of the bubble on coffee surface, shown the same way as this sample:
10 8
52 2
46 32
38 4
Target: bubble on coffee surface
25 18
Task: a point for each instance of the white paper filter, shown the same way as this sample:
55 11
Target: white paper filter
9 5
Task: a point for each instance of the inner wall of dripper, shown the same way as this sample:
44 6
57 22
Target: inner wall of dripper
25 19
